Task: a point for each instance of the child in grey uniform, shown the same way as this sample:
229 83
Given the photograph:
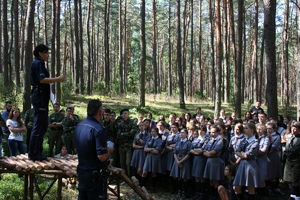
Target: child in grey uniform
181 166
214 169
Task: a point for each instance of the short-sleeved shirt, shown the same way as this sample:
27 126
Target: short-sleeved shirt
13 135
256 110
90 141
38 72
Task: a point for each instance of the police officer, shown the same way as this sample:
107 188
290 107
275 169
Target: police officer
69 123
40 95
5 130
126 131
93 153
56 130
29 121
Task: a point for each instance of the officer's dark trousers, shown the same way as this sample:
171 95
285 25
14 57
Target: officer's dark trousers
90 188
40 105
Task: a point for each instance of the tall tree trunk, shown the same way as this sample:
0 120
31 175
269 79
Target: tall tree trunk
285 57
28 53
169 53
154 48
89 48
81 79
106 46
179 64
58 52
45 27
298 65
200 51
212 52
238 66
143 55
254 54
16 43
269 28
6 77
184 39
53 49
227 51
218 67
191 80
77 50
1 25
121 49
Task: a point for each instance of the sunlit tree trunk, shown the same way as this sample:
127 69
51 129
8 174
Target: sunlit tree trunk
212 89
285 57
201 72
218 67
143 54
191 80
77 48
169 53
81 75
254 54
6 77
28 53
154 48
89 48
121 49
298 65
270 49
58 52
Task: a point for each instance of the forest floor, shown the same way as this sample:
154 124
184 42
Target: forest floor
127 193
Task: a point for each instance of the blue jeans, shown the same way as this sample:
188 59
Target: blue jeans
15 146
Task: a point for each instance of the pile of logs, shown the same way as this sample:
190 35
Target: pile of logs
133 182
66 165
21 162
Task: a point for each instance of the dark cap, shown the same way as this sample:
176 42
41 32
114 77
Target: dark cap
40 48
123 110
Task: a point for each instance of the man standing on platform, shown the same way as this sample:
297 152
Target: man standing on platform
40 95
93 153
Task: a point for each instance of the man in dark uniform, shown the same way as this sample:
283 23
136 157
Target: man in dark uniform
126 131
40 95
29 121
93 153
4 114
111 132
69 124
255 110
56 130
